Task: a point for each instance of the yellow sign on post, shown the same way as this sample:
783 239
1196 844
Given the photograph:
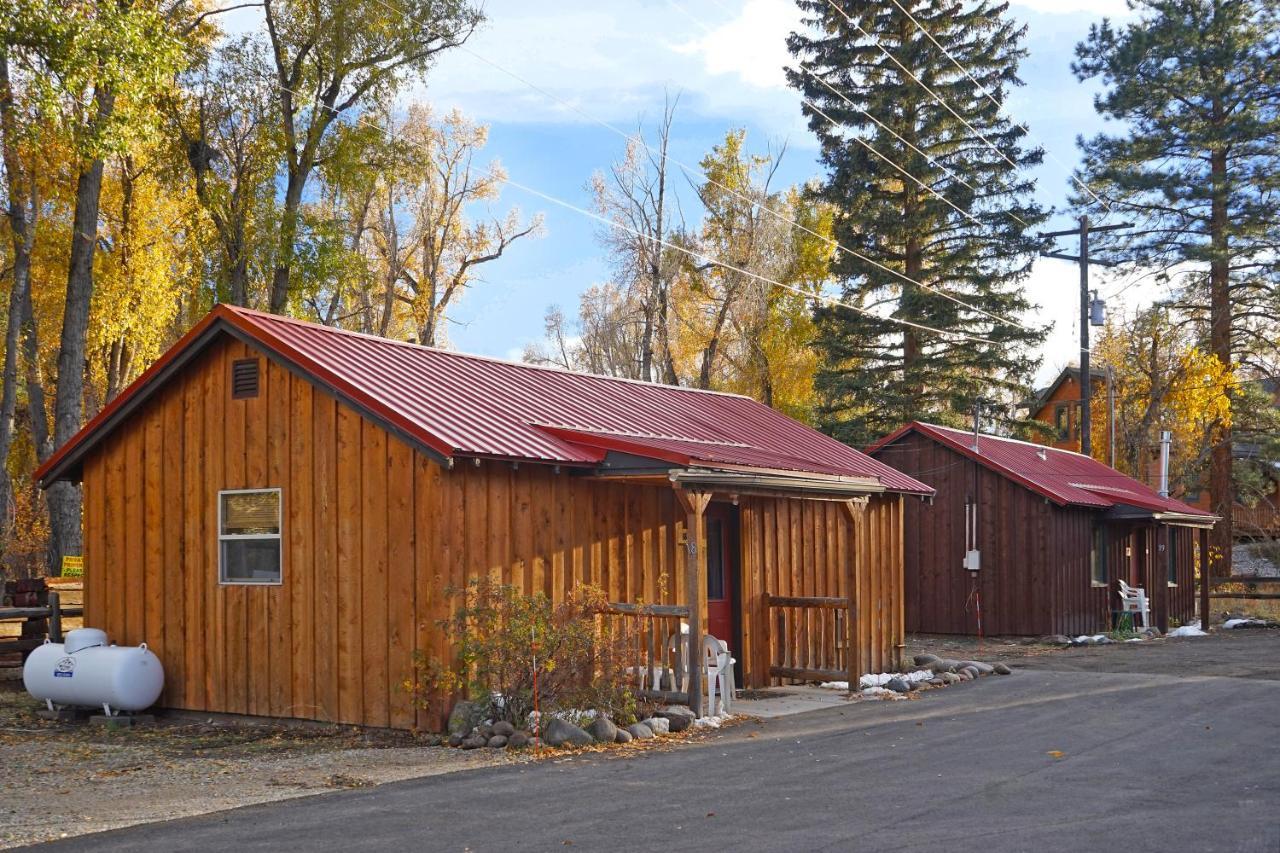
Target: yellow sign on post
73 566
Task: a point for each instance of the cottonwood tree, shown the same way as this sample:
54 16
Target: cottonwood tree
1196 86
331 58
94 70
439 251
970 238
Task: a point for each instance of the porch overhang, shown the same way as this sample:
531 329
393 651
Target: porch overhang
775 483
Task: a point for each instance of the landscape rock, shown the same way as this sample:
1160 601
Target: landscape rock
464 717
558 732
971 671
518 740
502 727
925 660
982 668
603 729
640 731
898 685
1056 640
937 681
474 742
623 736
950 678
964 675
658 725
484 731
455 740
1002 669
680 716
497 742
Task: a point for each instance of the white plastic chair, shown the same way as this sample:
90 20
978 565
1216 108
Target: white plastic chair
719 667
1133 599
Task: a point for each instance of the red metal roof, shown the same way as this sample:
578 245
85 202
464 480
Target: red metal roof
1063 476
453 403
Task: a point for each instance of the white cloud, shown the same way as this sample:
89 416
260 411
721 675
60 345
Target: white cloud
752 45
1109 8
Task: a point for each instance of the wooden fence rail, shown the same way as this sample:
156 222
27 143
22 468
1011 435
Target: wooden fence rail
1251 586
657 647
808 637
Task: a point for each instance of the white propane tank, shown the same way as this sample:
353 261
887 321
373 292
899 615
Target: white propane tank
86 671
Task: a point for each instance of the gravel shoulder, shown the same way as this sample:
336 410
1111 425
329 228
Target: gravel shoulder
59 780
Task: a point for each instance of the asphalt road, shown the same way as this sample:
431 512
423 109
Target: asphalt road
1050 758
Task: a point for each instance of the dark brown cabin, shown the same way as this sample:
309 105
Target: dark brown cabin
1053 530
278 509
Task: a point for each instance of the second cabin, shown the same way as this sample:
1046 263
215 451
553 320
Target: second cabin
1022 539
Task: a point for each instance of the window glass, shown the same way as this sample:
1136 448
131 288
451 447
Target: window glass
1098 557
249 537
715 560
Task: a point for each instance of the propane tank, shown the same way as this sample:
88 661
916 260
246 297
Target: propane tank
86 671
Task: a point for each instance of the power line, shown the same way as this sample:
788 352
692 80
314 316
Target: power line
993 99
711 259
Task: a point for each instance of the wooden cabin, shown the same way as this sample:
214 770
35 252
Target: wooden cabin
1053 532
278 508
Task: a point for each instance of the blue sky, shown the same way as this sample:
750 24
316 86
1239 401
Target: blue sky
615 62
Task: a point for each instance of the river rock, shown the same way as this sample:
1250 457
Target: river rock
640 731
474 742
464 717
898 685
925 660
1056 640
658 725
603 729
1002 669
518 740
679 716
502 727
497 742
982 668
623 736
558 732
455 740
950 678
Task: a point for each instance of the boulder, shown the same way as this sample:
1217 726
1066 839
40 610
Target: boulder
603 729
680 716
950 678
474 742
502 727
1056 640
925 660
518 740
1002 669
898 685
484 731
623 736
464 717
497 742
982 668
455 740
971 671
558 732
944 665
640 731
658 725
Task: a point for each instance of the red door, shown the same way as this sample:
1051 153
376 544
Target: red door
722 617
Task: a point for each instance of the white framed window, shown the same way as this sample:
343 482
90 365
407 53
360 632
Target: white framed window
249 549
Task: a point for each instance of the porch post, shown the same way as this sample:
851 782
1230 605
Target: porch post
1160 576
1204 579
854 510
694 505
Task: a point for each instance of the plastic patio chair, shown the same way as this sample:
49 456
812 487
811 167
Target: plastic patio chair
1133 599
719 669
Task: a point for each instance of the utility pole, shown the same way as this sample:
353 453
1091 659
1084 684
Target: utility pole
1088 314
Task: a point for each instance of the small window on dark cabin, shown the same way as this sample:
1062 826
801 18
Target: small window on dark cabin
1171 559
1098 557
244 378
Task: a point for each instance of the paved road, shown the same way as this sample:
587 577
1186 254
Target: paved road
1047 759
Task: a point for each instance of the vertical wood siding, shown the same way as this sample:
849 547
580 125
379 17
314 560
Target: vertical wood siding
374 533
1035 577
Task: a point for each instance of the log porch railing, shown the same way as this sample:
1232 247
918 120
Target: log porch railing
810 638
658 666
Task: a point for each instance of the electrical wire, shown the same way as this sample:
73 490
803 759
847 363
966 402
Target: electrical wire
754 202
711 259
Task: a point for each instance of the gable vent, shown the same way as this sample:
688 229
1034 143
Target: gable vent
244 378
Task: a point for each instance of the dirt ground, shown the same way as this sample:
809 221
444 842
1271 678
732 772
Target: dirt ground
63 779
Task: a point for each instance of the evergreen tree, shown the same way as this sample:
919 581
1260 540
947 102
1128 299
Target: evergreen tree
1196 84
976 246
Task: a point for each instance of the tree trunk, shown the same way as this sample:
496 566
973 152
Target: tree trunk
21 230
1221 491
64 497
288 237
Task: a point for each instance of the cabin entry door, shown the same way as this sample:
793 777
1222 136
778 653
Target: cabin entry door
722 575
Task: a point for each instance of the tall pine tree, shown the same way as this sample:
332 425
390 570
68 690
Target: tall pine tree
1196 87
976 246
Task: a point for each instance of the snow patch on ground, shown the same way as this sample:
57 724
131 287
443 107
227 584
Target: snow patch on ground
1091 638
712 722
878 680
1191 629
1244 623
